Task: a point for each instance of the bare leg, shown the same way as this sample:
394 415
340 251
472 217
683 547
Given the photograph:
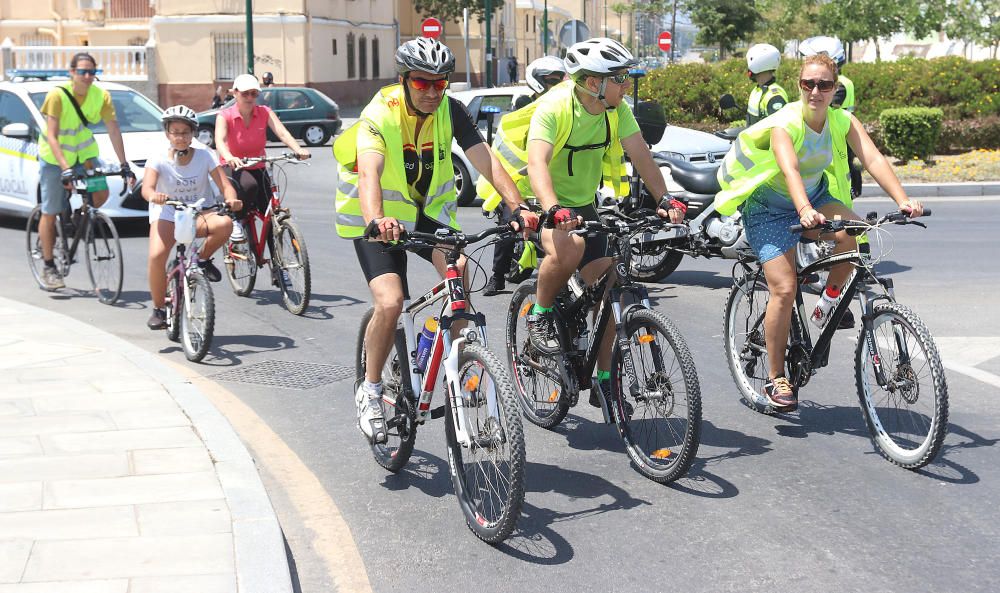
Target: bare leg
842 243
387 293
780 275
217 229
562 255
47 234
161 240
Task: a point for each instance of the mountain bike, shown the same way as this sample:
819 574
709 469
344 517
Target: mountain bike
274 229
190 301
655 396
87 225
482 426
898 372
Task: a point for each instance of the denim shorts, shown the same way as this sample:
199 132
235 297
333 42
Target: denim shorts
55 198
767 215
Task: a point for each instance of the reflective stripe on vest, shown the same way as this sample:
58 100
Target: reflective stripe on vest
750 162
760 96
75 138
384 113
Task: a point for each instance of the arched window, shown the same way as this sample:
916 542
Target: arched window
363 57
375 70
350 55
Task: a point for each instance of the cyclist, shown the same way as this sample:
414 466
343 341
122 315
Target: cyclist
541 75
182 173
565 143
385 180
66 145
768 96
241 132
792 168
268 80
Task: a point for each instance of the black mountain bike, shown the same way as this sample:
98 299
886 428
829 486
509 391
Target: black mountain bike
900 379
87 225
655 397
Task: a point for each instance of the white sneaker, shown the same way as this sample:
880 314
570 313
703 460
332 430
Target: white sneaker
370 419
237 236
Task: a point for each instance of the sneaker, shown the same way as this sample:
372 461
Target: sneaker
157 319
494 286
542 332
209 270
847 321
237 236
370 419
52 279
781 395
280 278
605 391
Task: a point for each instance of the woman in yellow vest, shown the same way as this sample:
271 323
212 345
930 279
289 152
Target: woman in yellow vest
67 143
395 172
791 168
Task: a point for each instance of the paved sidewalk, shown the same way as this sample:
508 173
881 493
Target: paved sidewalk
117 475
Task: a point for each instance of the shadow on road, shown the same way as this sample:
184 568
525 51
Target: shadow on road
712 280
428 473
272 296
221 356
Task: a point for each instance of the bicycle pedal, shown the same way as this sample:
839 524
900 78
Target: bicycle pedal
437 412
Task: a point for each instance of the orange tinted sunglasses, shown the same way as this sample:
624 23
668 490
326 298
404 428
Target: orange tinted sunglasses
422 84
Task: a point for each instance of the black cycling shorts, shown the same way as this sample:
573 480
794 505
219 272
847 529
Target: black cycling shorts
375 261
595 247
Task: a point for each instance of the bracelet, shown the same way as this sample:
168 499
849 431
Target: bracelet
799 211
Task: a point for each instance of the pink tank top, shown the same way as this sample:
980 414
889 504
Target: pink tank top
246 141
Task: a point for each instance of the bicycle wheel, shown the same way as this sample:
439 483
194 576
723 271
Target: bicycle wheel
293 259
36 262
241 266
536 375
488 473
104 258
661 422
197 318
743 332
653 262
174 292
907 417
397 406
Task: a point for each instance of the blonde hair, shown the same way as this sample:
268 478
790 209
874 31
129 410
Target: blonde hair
820 60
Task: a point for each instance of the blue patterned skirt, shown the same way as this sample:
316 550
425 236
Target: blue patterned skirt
767 215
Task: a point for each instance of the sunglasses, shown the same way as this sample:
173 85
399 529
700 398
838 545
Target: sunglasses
619 78
87 71
422 84
824 86
250 93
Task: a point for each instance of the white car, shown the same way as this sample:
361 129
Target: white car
697 147
21 120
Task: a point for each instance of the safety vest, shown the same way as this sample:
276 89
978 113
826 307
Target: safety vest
385 112
511 146
750 162
848 104
760 96
75 138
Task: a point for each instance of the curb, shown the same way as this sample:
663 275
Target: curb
936 190
258 542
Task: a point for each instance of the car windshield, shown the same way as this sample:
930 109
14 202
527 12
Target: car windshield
134 112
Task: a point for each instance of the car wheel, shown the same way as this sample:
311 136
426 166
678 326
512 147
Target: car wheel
206 135
315 135
464 188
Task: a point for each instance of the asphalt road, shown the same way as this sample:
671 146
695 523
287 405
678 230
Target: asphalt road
793 503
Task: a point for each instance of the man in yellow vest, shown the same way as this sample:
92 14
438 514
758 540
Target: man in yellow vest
395 173
578 134
67 143
768 96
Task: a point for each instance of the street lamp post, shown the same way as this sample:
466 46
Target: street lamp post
250 36
489 46
545 29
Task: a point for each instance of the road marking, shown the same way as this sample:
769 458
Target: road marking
933 199
332 539
962 354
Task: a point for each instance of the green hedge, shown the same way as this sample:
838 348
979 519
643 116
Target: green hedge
911 132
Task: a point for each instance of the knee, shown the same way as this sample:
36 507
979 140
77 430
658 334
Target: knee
223 226
783 291
389 305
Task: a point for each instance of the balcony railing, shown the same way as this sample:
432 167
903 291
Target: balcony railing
129 9
125 62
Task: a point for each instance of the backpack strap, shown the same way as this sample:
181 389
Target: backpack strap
76 106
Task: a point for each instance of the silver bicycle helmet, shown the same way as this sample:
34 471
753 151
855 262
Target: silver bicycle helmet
180 113
599 56
830 46
542 68
424 55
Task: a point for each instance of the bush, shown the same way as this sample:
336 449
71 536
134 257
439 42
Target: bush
911 131
966 134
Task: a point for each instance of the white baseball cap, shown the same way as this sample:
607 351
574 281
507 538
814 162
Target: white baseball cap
246 82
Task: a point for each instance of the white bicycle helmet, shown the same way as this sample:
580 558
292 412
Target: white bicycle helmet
180 113
424 54
542 68
830 46
763 57
599 56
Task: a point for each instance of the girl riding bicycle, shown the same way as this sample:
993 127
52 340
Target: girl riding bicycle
790 168
182 173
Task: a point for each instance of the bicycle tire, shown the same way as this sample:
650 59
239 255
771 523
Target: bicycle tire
297 300
104 258
241 266
491 522
36 261
746 352
668 452
881 424
401 423
173 305
196 341
657 266
534 390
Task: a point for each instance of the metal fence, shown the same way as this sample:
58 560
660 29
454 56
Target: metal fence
115 62
130 9
230 55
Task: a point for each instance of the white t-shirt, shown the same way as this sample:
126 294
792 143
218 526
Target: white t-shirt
188 183
815 155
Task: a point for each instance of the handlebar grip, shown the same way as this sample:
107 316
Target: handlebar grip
927 212
797 228
371 231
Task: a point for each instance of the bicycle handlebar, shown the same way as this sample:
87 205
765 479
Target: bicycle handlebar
418 239
286 156
221 208
833 226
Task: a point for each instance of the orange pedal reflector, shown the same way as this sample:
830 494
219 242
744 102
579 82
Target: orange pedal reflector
472 383
525 309
661 453
645 338
554 396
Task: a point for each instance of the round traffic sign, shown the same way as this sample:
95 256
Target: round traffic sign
664 41
431 27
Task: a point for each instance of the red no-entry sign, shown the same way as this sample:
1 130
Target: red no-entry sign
432 28
664 41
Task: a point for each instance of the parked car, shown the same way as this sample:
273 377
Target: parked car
307 113
697 147
21 121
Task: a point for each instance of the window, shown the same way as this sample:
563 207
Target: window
375 69
363 57
14 111
134 112
350 55
334 46
534 25
267 98
293 100
230 55
527 27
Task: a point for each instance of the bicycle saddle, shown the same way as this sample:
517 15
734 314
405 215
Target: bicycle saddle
697 180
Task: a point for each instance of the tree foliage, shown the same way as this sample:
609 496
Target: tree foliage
785 20
451 10
724 23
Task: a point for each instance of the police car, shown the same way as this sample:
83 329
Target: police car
21 121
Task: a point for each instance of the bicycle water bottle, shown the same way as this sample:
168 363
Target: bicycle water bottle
826 302
424 342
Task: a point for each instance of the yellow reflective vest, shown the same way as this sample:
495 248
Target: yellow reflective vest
848 84
385 112
75 138
511 146
750 162
760 96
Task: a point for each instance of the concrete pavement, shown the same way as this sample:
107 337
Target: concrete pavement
117 475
